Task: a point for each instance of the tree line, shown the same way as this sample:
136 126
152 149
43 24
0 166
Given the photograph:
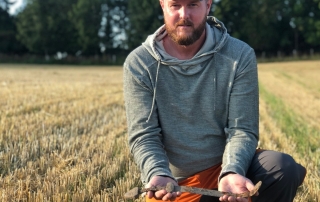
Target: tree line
110 28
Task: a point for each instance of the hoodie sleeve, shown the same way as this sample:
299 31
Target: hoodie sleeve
145 138
243 120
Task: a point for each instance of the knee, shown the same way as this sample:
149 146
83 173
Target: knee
280 176
284 161
285 168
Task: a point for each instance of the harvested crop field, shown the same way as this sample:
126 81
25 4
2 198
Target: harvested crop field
63 130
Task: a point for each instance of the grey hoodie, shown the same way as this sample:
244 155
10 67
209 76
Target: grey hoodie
185 116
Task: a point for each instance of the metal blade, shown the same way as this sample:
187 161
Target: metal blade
195 190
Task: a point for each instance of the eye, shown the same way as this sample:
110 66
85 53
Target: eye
174 6
193 5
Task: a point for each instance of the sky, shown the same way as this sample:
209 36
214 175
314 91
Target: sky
14 7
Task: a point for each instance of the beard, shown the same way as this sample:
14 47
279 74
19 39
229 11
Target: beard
186 39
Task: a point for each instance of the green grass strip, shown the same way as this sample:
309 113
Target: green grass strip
290 123
313 88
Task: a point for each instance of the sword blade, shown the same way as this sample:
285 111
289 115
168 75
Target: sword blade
135 192
196 190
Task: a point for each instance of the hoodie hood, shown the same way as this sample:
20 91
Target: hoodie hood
216 35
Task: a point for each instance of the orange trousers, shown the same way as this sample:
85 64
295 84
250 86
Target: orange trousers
207 179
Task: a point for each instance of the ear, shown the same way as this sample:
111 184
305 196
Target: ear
162 4
209 3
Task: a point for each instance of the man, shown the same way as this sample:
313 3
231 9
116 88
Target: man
191 95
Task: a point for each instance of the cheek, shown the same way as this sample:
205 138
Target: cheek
171 16
171 19
200 18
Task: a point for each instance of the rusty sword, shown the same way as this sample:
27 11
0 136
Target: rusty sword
135 192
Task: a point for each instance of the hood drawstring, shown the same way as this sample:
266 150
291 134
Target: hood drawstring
214 85
154 91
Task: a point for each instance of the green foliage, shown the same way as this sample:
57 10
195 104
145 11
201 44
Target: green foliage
272 25
51 26
112 27
6 30
8 41
86 17
44 27
255 22
145 17
114 22
291 124
312 22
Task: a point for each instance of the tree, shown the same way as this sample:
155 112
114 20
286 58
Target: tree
116 20
100 24
307 18
108 27
72 26
254 22
145 16
86 17
44 27
273 25
8 42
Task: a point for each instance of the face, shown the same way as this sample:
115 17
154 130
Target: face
185 20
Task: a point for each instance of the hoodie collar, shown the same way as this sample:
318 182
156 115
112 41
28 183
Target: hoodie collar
215 39
208 46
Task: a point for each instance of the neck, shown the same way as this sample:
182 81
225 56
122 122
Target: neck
183 52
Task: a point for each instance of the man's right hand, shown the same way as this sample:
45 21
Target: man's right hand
162 194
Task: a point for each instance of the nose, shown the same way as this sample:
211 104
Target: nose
184 12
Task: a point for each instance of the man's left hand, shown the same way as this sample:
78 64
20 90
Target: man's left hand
235 183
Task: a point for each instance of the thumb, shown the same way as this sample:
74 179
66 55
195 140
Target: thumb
250 186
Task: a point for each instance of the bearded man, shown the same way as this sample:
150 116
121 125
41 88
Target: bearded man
192 105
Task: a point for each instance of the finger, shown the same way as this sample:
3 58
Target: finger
160 194
224 198
150 194
171 196
249 185
221 199
168 196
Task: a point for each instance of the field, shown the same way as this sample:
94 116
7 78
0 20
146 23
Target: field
63 130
